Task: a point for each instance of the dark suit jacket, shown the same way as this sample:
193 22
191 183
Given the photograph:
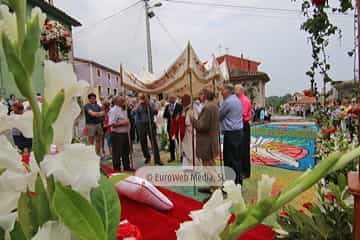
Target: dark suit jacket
177 110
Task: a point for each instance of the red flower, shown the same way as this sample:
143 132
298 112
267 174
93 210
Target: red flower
328 131
67 35
128 230
284 213
301 210
307 205
330 197
318 3
33 194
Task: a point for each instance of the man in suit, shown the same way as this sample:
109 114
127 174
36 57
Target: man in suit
171 112
207 133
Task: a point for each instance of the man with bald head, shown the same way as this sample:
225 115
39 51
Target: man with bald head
245 151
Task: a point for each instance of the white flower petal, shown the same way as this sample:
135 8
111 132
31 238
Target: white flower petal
77 165
7 222
265 187
22 122
8 201
215 200
9 157
8 23
61 76
42 16
234 193
54 231
189 231
17 181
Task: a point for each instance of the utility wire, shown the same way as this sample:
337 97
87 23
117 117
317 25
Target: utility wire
210 4
101 21
168 33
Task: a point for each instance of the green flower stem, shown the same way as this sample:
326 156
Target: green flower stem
311 178
346 159
303 183
20 9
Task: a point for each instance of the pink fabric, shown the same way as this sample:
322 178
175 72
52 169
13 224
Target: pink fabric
246 104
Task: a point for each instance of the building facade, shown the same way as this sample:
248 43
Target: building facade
7 83
103 80
245 72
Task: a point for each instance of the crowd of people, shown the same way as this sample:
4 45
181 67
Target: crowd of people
193 127
193 130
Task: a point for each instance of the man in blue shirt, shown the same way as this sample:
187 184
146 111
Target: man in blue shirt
232 128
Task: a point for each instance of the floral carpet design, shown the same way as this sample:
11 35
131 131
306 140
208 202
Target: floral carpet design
295 153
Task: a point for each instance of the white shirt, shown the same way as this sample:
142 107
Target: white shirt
116 115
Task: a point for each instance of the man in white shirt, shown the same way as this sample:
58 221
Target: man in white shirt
120 126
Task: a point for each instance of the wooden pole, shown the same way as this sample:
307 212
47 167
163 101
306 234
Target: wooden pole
354 177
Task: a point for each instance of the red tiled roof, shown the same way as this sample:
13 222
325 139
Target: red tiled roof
239 63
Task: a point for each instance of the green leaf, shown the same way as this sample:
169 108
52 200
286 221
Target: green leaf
342 182
54 108
40 203
2 234
17 68
17 233
31 45
27 223
75 212
106 201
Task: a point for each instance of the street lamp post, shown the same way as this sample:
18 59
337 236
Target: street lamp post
149 14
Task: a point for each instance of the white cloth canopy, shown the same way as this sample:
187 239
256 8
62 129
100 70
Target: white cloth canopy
185 71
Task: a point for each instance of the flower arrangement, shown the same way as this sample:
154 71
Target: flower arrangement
55 34
56 192
333 210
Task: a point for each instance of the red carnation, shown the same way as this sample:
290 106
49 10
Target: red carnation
307 205
330 197
318 3
284 213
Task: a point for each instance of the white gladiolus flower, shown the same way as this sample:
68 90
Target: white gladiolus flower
234 194
61 76
265 187
22 122
76 165
7 223
52 230
42 16
16 178
8 23
209 222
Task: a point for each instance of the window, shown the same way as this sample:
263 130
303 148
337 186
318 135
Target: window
98 73
108 91
99 90
109 77
117 79
115 92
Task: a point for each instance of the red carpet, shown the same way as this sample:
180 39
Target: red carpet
155 225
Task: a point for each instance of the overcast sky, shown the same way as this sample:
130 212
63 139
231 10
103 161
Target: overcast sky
274 38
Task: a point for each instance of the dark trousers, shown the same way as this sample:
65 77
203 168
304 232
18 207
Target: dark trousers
144 131
22 142
245 151
172 147
232 152
120 150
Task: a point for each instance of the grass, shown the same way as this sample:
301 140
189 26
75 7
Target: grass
283 133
